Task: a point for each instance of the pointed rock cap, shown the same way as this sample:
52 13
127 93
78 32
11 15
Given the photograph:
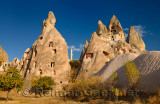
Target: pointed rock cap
114 22
27 50
50 19
86 42
101 29
15 60
94 37
135 39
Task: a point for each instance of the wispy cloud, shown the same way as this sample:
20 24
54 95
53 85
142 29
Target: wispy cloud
125 29
78 49
139 28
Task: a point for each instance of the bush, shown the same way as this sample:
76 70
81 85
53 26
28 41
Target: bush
132 73
12 79
74 63
86 88
42 83
74 66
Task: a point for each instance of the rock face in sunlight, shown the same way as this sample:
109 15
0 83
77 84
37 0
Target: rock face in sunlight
4 54
48 56
135 39
107 43
15 62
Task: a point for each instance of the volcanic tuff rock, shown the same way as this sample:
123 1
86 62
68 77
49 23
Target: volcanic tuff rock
105 44
4 54
135 39
48 56
148 65
113 66
15 62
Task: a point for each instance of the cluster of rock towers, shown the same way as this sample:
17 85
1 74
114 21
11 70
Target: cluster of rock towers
48 55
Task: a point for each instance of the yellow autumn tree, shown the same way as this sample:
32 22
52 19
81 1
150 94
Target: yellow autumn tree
132 73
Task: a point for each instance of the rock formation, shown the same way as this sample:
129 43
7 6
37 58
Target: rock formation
149 67
105 44
48 56
113 66
15 62
135 39
4 54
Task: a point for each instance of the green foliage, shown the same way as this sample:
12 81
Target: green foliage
42 83
12 79
114 76
86 88
74 63
132 73
74 66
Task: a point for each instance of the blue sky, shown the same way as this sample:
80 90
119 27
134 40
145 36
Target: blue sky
21 21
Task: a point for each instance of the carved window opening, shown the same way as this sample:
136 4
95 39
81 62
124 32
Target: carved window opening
89 55
35 64
106 62
29 70
60 82
51 44
113 27
40 71
35 53
41 37
105 53
54 50
52 64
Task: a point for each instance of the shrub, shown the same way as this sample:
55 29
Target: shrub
86 88
74 63
74 66
42 83
132 73
12 79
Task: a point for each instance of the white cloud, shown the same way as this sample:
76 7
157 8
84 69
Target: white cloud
79 49
140 30
125 29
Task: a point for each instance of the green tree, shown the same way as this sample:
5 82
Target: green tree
12 79
132 73
42 83
74 66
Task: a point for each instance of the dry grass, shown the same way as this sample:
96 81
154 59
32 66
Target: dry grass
15 98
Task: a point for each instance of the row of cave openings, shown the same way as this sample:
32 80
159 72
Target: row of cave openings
90 55
51 46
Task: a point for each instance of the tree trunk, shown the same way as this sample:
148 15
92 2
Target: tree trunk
7 95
